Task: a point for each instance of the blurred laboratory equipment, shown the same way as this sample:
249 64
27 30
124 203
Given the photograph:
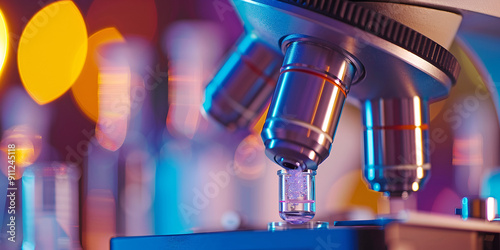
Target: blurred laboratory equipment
395 64
241 90
380 117
330 54
51 206
479 208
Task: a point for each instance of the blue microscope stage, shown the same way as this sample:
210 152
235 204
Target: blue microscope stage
417 232
323 239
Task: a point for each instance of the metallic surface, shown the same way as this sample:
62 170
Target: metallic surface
242 88
415 231
395 77
439 25
479 208
395 141
339 238
307 104
488 7
330 45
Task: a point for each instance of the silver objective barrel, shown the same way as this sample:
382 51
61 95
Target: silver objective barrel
307 103
395 141
242 88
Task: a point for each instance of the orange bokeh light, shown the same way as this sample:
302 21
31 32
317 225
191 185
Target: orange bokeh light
4 40
86 87
52 51
25 150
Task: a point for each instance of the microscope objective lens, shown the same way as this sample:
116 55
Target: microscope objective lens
297 197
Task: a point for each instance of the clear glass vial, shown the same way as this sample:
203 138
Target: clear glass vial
297 198
283 225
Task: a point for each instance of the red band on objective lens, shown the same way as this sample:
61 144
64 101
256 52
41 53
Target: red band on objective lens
317 75
400 127
257 71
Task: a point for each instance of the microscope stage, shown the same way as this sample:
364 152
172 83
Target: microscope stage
409 230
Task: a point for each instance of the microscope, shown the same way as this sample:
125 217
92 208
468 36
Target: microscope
384 54
301 60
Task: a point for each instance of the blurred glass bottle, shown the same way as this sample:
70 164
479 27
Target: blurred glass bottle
50 207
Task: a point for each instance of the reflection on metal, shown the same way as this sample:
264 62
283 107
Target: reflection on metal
396 136
327 49
478 208
307 103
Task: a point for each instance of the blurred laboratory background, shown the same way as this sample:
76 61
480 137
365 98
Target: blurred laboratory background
102 99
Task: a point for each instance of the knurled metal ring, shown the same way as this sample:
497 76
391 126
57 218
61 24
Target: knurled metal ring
386 28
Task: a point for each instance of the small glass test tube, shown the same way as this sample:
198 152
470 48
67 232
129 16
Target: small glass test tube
297 198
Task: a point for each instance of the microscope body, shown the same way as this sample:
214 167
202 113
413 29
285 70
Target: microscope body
303 59
392 63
